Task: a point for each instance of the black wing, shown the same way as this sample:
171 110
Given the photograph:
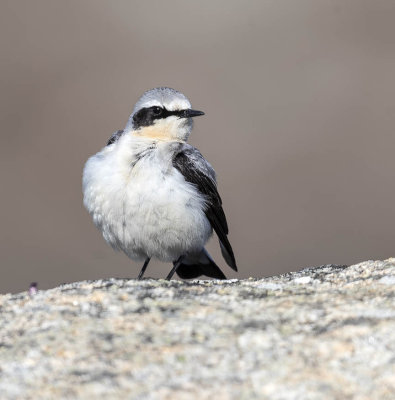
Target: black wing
114 137
196 170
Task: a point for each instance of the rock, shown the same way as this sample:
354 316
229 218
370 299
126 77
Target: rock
326 332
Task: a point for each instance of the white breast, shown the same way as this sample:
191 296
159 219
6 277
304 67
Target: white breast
144 207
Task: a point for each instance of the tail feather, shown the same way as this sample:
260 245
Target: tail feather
197 266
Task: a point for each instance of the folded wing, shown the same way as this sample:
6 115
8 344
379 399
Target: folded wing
197 171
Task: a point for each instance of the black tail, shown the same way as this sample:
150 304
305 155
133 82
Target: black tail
204 265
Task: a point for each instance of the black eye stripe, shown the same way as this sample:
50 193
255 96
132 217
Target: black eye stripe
166 113
157 110
147 116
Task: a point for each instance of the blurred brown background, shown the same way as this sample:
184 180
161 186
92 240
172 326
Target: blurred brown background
299 102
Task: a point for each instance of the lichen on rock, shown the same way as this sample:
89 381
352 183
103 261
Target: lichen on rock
325 332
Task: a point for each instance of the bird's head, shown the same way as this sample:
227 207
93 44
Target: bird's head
164 114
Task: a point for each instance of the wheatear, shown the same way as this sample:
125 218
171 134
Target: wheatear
153 195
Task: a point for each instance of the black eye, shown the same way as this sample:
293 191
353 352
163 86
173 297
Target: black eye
157 110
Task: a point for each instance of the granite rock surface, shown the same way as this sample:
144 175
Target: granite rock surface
320 333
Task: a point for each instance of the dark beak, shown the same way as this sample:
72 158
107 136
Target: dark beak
192 113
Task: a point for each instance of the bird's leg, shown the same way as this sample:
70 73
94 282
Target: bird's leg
176 264
144 268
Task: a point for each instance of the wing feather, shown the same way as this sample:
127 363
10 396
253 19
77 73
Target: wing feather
114 137
196 170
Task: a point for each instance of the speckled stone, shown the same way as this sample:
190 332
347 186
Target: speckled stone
321 333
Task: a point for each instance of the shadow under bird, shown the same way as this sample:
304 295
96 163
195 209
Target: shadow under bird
152 195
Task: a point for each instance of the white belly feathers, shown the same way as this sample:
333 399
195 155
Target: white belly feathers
143 205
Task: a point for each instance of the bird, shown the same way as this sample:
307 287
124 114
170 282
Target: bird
153 195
